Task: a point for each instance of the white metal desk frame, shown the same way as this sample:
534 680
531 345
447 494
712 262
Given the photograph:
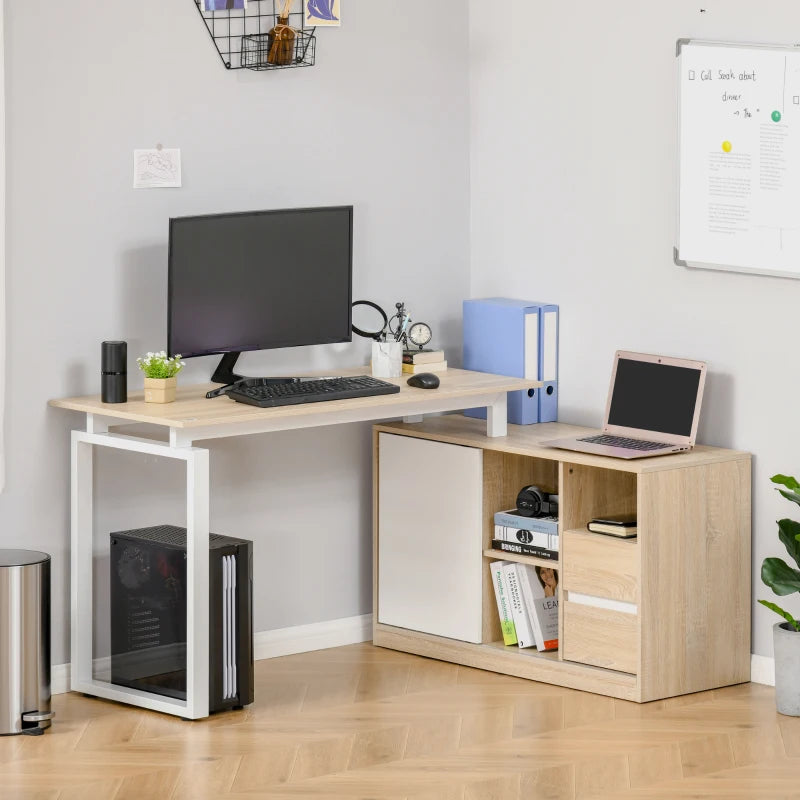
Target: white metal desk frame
181 447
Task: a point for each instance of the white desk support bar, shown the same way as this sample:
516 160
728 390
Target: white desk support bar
197 529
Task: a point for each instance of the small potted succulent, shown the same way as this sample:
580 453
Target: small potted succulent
160 376
785 580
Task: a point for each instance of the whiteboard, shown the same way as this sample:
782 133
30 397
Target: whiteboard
739 157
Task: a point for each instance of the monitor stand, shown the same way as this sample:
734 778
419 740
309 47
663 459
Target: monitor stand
224 372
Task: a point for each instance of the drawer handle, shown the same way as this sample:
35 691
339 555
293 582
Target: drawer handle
580 599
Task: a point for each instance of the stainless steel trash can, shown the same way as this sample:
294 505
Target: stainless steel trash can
24 642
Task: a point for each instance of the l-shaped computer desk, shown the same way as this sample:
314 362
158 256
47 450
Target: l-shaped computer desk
193 418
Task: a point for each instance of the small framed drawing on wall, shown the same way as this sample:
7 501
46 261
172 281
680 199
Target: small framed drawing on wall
323 12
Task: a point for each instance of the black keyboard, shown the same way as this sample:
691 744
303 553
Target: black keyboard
622 441
260 392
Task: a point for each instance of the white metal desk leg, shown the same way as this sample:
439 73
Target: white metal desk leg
497 416
81 566
197 525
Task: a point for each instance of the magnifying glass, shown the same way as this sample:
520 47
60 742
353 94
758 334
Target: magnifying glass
369 320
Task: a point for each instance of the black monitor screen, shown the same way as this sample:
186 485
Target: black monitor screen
654 397
260 280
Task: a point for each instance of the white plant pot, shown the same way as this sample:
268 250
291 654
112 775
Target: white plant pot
787 669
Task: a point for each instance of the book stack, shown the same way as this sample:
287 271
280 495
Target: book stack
527 602
526 536
622 526
415 361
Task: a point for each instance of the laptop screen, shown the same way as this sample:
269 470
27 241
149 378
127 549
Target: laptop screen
654 397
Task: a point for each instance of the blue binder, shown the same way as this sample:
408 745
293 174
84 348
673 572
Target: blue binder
548 362
515 338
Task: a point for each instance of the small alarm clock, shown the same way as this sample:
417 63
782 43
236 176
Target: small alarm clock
420 334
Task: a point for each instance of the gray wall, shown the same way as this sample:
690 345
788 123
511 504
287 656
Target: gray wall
574 201
381 123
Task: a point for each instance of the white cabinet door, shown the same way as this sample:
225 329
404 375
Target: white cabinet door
430 511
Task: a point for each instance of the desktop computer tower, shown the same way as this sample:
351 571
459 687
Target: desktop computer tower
148 614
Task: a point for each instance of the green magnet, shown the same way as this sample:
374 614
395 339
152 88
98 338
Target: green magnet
776 116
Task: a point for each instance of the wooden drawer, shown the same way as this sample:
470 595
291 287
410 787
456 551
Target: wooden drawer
601 637
601 566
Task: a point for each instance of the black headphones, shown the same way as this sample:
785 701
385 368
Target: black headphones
533 502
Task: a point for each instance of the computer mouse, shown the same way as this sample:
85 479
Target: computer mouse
424 380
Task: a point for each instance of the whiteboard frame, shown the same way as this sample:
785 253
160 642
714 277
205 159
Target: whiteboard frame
678 261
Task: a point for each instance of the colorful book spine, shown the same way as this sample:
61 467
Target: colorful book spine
519 613
503 606
413 369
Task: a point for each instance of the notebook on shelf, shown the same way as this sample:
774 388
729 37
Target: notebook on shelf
620 525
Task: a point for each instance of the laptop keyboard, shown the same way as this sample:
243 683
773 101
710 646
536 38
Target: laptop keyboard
623 441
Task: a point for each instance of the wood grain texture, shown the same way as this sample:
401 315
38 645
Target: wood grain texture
694 536
526 440
600 637
589 492
520 559
424 731
191 409
522 663
601 566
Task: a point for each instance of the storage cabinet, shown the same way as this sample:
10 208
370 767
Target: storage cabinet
664 614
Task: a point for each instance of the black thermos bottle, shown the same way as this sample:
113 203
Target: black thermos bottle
114 372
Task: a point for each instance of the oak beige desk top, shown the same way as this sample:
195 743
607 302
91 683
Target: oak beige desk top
527 440
191 409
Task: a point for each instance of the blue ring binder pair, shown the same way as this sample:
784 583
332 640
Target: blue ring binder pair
519 339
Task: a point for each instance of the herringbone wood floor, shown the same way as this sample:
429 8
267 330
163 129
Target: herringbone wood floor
362 722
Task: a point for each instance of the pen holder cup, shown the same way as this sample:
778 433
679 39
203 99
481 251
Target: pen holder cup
387 359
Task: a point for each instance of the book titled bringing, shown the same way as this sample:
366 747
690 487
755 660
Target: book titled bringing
528 536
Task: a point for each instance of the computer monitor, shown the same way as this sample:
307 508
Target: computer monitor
259 280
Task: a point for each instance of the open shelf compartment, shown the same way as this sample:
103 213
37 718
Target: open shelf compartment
504 474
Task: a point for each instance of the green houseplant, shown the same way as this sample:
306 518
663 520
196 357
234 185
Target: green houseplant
785 580
160 376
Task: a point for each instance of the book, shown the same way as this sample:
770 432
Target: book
546 541
514 519
503 607
519 612
524 550
422 356
621 525
540 592
437 366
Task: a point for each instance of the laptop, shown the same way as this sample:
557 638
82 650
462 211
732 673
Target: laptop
653 408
